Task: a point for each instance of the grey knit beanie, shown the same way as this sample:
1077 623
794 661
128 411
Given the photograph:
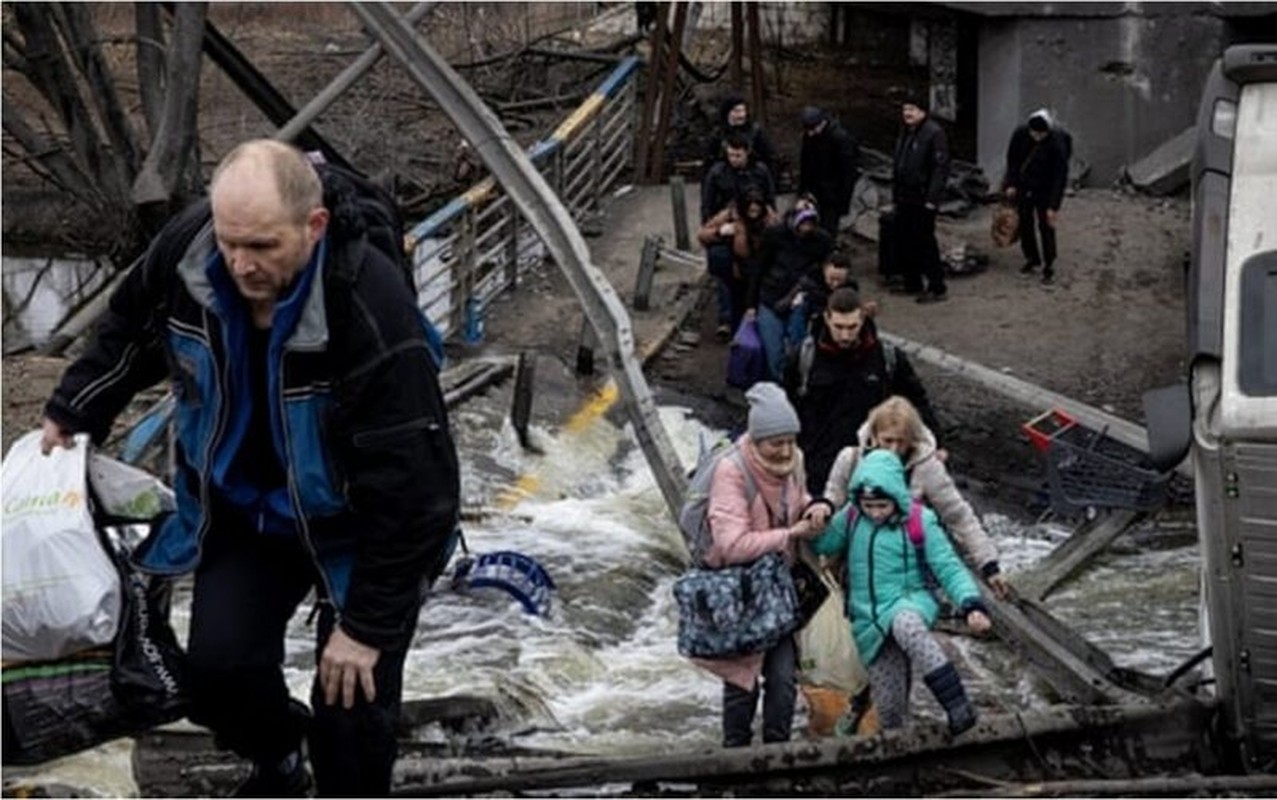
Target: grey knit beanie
770 413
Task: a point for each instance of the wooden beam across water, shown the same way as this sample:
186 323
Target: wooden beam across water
1069 556
1120 741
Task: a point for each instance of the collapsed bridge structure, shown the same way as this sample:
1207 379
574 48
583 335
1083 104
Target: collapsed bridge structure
1112 721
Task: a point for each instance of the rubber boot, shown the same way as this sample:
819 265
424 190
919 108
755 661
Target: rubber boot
946 685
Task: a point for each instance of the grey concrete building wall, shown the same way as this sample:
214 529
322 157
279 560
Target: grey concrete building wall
1122 85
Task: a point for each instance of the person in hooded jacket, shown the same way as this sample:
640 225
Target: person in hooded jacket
790 251
732 239
891 607
828 165
734 118
837 378
779 514
1037 172
895 425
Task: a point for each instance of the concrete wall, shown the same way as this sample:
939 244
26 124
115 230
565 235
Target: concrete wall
797 22
1121 84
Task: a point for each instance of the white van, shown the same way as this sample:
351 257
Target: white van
1232 393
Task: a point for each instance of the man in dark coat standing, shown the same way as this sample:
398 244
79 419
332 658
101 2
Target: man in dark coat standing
829 166
921 167
1036 173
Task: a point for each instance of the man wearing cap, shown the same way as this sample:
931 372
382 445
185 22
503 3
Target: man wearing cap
1037 171
921 167
828 166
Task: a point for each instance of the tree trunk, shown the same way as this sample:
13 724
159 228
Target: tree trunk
174 138
150 62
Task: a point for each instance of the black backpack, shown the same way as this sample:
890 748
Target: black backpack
379 222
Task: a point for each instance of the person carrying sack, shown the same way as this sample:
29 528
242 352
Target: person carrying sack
744 528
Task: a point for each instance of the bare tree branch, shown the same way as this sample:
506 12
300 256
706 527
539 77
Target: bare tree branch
150 62
15 52
79 33
59 167
173 140
52 77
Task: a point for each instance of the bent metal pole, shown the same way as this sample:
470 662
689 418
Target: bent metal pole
538 203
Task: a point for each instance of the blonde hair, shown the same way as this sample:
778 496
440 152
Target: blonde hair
296 180
896 412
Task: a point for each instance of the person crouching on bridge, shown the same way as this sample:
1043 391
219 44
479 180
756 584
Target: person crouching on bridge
890 604
746 525
732 239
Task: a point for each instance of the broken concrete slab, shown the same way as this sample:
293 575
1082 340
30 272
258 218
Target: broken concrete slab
1165 170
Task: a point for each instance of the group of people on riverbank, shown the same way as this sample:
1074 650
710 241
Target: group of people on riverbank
841 458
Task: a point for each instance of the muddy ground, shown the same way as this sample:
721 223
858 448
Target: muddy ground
1112 327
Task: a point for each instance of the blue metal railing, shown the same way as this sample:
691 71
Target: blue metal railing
477 244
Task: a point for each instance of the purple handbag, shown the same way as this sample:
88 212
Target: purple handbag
746 364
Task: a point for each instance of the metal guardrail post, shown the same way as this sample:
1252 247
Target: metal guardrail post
596 166
646 272
521 408
678 200
512 249
463 257
585 350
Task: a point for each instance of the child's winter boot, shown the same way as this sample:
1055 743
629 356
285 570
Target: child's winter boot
946 685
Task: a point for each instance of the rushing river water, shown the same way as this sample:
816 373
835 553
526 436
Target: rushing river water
40 292
600 674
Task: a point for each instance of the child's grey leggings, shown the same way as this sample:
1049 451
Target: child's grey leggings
909 646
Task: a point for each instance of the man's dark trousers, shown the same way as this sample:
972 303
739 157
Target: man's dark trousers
247 588
1032 208
916 248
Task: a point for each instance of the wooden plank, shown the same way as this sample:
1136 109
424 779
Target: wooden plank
1078 671
1070 555
1122 741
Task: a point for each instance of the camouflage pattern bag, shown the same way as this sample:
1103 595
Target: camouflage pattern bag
736 610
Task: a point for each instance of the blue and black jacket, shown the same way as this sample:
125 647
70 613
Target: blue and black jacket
356 417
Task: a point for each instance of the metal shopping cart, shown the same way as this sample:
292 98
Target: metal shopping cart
1087 470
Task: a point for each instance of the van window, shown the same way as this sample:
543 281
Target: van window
1257 365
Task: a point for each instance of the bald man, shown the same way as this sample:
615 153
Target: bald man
313 452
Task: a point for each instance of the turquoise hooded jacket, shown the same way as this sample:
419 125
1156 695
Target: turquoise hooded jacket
886 575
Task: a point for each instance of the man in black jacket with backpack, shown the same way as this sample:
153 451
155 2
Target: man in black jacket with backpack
1037 172
313 453
838 376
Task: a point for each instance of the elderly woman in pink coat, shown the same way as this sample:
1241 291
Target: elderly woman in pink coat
743 528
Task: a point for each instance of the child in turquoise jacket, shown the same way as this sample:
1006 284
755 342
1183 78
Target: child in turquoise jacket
891 607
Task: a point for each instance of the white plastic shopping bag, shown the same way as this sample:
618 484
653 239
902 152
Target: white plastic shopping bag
827 654
126 491
61 592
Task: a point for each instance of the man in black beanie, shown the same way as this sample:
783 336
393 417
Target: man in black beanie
1037 171
920 169
828 165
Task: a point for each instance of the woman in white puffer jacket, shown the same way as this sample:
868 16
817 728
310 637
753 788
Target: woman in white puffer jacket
895 425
